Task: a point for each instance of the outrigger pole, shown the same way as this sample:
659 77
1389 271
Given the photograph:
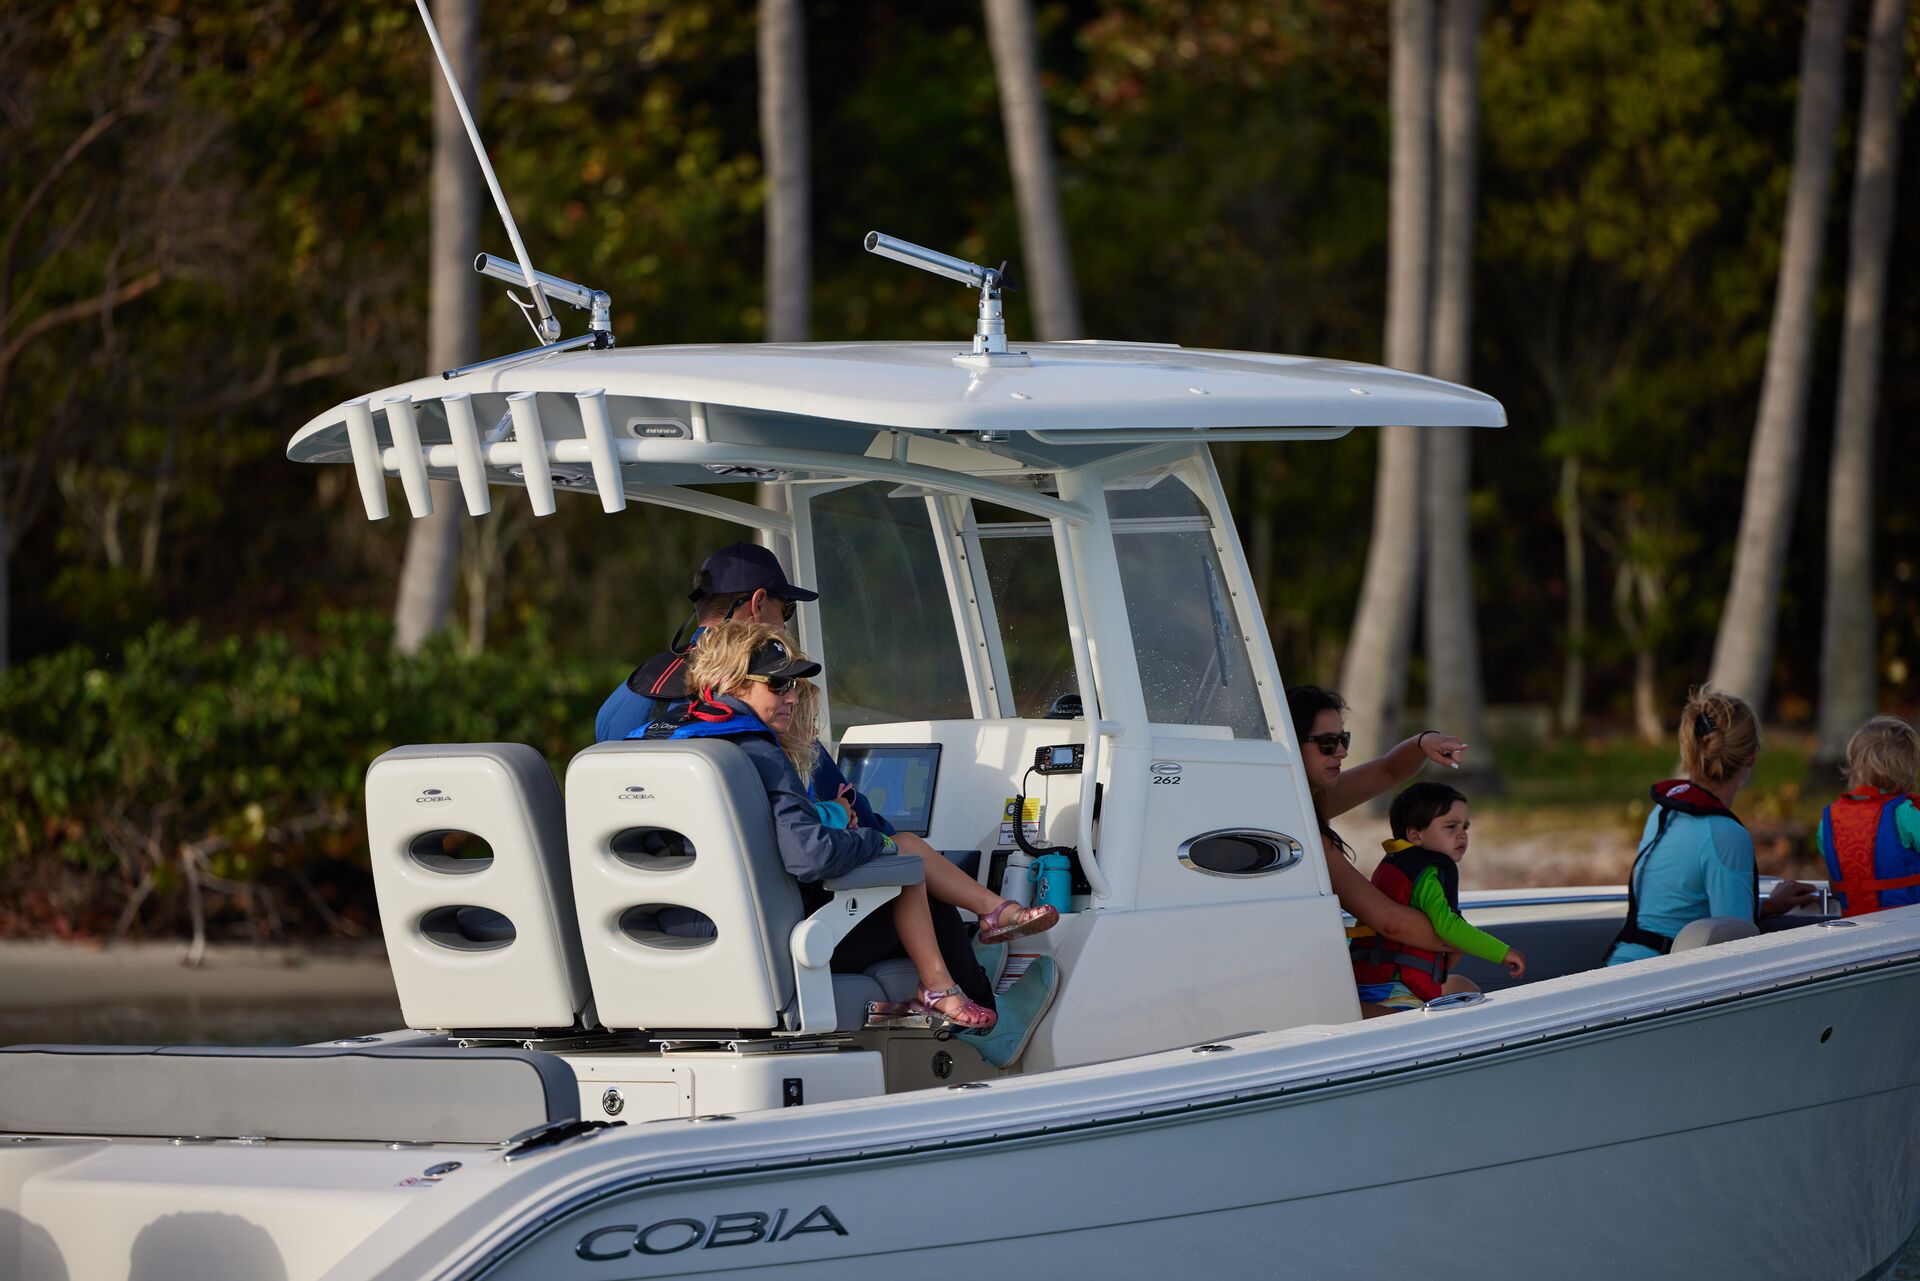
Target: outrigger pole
548 330
595 302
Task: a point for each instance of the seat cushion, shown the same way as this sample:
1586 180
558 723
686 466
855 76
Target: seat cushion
851 992
295 1092
893 979
896 977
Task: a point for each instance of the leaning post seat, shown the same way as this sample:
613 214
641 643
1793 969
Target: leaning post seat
690 920
470 866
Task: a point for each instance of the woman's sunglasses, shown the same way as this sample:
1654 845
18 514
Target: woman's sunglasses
778 684
1331 743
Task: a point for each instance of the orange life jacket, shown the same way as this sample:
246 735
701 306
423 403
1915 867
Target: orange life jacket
1870 866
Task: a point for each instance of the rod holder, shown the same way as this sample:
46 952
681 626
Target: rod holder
367 468
598 429
990 326
465 434
532 439
407 458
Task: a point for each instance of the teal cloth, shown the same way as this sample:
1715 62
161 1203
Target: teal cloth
1702 867
1021 1007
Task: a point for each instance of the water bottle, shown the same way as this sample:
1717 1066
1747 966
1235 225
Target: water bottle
1016 882
1052 882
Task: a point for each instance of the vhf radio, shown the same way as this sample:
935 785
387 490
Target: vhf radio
1064 758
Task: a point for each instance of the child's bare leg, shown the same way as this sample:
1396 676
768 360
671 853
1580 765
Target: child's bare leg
915 927
1458 983
945 881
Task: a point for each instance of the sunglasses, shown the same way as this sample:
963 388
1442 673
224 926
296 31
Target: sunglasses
778 684
787 608
1331 743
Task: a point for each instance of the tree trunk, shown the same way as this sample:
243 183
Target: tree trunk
1455 698
1743 651
433 544
1573 668
1036 190
1646 697
784 148
1849 690
784 144
1374 675
6 554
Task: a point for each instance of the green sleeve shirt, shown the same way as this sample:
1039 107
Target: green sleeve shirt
1450 925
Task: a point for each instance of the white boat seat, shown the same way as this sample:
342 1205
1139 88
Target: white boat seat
1709 930
689 920
366 1094
470 864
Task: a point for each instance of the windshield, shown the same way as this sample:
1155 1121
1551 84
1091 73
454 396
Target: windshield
891 652
1192 654
1023 581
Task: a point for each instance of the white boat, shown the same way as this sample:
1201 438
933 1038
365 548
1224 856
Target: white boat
995 532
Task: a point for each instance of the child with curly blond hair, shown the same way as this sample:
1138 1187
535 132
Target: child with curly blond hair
1870 837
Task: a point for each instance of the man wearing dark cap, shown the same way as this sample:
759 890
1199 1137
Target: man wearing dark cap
741 581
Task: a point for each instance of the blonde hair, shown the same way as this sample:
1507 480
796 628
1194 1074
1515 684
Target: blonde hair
1884 753
1719 735
719 663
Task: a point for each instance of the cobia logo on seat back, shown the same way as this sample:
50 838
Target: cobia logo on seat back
671 1236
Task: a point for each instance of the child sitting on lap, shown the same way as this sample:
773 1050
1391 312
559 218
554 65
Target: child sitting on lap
1871 835
1422 869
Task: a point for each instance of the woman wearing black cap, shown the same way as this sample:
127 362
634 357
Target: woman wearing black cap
753 687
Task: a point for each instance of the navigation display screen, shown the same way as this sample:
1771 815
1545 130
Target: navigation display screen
897 781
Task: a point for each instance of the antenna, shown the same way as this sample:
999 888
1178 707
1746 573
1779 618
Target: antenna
549 327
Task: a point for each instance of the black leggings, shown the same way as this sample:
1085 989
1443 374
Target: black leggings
875 939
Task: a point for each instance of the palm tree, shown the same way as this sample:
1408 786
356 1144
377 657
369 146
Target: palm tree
1374 674
433 543
1743 651
1036 190
789 219
783 141
1848 688
1454 694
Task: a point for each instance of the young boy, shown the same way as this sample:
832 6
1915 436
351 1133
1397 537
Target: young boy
1422 869
1871 835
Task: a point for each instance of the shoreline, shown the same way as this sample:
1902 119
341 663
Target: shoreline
38 975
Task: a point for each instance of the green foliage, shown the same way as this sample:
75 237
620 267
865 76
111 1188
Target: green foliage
1224 175
248 754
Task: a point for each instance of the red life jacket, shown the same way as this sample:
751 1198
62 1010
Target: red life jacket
1379 959
1865 855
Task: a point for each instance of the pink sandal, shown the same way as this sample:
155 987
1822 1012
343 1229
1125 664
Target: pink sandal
1012 921
973 1017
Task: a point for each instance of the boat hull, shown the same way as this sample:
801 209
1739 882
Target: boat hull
1769 1135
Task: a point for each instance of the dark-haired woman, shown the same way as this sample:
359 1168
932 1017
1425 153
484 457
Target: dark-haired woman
1319 724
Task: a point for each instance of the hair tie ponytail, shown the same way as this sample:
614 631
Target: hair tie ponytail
1719 735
